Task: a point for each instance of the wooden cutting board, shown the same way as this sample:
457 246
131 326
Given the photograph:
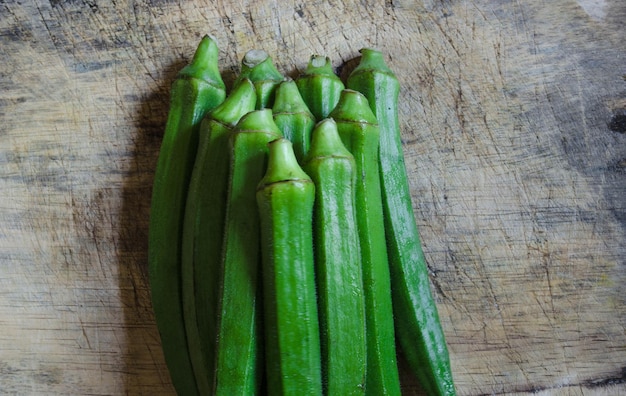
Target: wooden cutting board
513 117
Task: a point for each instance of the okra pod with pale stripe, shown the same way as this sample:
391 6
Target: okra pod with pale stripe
419 331
319 86
198 88
358 129
203 230
338 262
293 117
285 199
239 354
259 67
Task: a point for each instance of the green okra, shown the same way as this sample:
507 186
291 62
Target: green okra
319 86
239 353
293 117
419 331
198 88
359 132
259 67
204 228
285 199
339 270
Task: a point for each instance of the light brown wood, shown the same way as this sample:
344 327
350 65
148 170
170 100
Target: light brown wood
513 118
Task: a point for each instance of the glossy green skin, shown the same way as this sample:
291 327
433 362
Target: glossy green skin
239 353
320 87
419 331
338 263
293 117
197 89
360 134
285 200
204 229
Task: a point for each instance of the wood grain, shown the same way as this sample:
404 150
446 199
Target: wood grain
513 119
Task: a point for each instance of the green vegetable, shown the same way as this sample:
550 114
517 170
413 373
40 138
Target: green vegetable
239 354
259 67
338 262
359 132
285 199
293 117
198 88
319 86
204 228
419 331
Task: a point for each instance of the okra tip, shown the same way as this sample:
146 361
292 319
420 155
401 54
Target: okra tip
208 47
260 120
259 66
317 63
204 64
209 36
326 142
372 59
282 164
353 106
254 57
288 99
287 84
370 51
239 102
319 60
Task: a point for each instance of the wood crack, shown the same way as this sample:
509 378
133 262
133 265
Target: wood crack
600 383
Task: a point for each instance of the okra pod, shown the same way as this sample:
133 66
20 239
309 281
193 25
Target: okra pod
319 86
239 354
204 228
285 199
293 117
259 67
339 271
359 132
419 331
198 88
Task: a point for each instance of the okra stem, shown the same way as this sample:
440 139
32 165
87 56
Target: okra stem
204 228
359 132
339 271
197 89
285 199
239 353
419 331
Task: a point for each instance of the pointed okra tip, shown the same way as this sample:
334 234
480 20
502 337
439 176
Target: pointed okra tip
238 103
205 62
326 142
260 120
372 60
208 48
353 106
282 164
288 99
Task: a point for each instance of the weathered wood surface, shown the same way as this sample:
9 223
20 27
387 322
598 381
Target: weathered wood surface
513 115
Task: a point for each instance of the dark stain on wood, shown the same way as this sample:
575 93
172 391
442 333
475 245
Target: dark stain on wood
618 121
619 166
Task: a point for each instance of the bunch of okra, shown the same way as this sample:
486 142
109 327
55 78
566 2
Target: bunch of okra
284 256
